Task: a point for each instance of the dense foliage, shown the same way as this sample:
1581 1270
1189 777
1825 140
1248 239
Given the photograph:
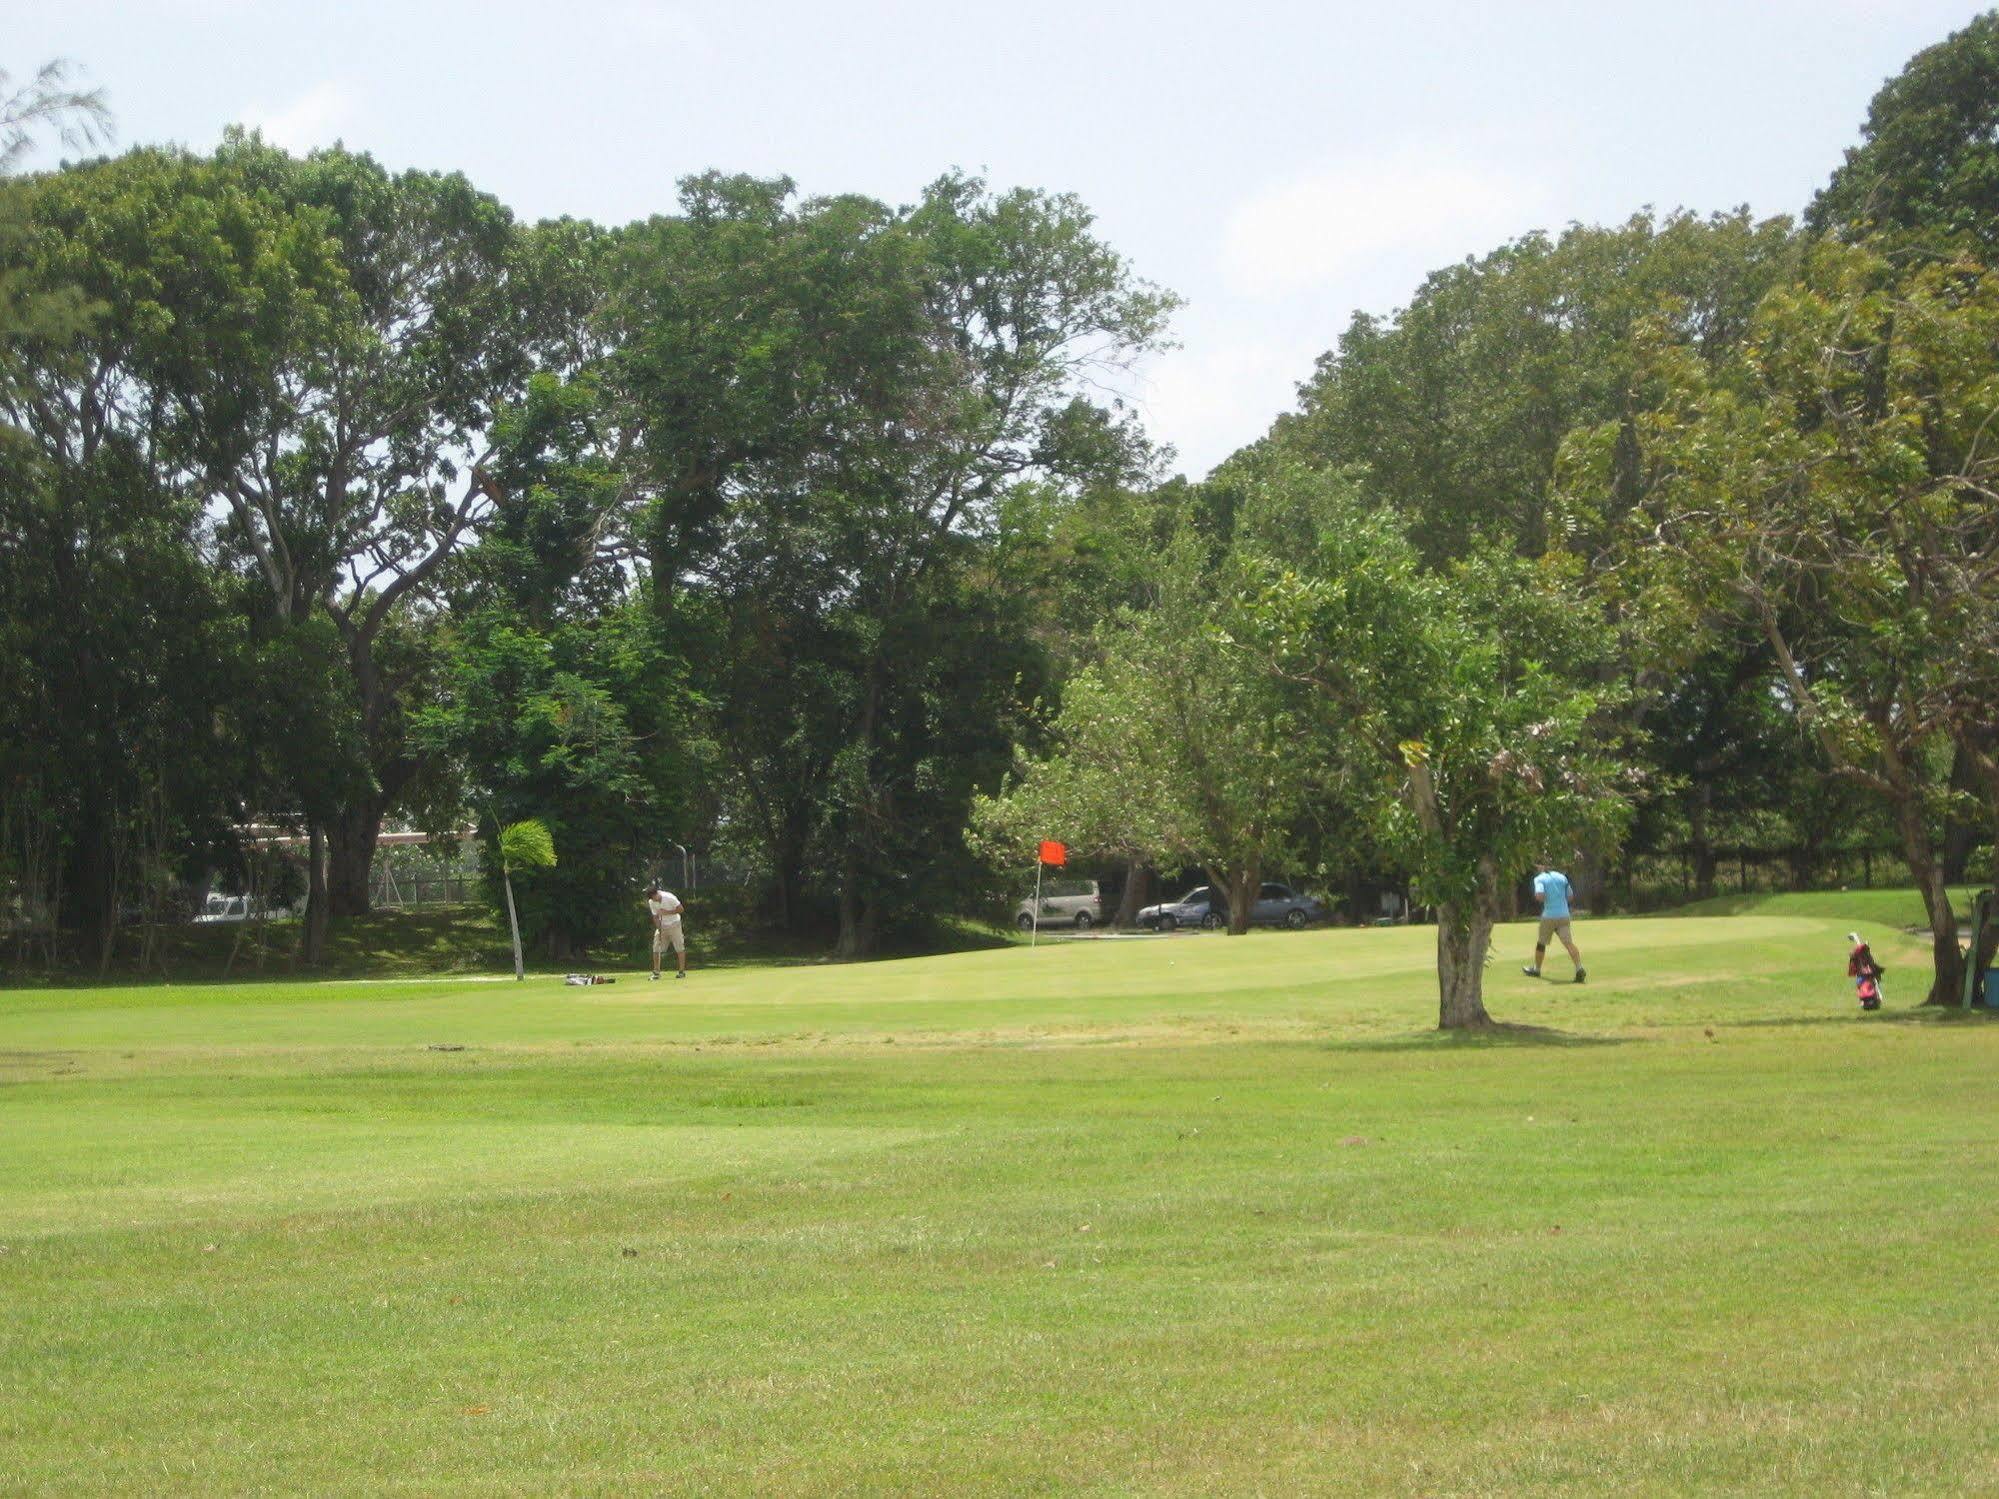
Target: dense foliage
797 532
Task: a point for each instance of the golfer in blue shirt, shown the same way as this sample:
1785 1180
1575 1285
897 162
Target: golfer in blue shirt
1551 891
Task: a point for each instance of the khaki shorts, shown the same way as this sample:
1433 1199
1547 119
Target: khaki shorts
1550 926
667 936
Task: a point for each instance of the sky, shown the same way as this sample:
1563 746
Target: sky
1279 166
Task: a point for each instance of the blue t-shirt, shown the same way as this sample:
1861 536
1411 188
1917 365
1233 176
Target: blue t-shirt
1553 888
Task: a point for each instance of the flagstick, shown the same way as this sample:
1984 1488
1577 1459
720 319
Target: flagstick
1034 940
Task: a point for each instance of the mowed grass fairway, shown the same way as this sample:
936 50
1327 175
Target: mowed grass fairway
1190 1215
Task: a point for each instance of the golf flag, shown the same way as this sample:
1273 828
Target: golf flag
1054 853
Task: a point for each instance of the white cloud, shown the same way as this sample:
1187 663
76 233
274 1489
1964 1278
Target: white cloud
314 118
1337 223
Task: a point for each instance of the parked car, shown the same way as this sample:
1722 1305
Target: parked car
1280 905
228 908
1197 907
1276 905
1077 903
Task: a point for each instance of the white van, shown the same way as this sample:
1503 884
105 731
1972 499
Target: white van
1076 903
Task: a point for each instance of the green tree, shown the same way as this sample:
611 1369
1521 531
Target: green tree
1716 733
893 377
580 724
1459 714
1928 160
126 642
522 845
117 653
1833 485
46 104
366 466
1171 748
1171 745
559 692
1102 787
1454 411
1076 559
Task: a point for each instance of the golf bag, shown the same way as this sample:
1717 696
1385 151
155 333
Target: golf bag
1865 973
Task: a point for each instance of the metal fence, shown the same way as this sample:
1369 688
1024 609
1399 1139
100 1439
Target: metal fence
393 889
433 874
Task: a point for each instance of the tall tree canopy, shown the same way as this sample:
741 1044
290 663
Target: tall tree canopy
1171 746
122 654
1454 410
1834 483
1928 158
365 467
825 404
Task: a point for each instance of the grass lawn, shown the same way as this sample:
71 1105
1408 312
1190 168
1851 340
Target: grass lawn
1187 1215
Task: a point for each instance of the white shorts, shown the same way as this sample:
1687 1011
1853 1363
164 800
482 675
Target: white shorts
665 936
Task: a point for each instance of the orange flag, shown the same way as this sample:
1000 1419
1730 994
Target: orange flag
1054 853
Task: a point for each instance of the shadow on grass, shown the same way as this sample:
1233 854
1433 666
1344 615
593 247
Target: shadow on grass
733 950
1500 1034
1921 1015
441 942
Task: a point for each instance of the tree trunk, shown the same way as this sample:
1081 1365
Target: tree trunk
350 846
513 924
858 911
857 920
316 911
354 830
794 915
1702 844
1243 887
1958 841
1988 950
1464 934
1591 881
1803 859
1980 754
787 862
1464 938
1226 883
1947 976
89 883
1137 888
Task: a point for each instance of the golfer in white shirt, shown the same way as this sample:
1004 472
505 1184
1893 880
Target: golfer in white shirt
665 908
